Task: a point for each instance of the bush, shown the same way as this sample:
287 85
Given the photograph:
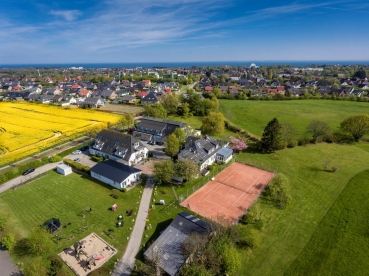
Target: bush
56 264
97 158
165 191
275 192
334 168
292 144
210 168
76 165
8 241
55 158
123 190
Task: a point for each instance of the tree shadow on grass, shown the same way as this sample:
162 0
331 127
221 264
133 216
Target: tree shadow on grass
159 228
21 248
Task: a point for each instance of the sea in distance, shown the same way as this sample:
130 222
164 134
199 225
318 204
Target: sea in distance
187 64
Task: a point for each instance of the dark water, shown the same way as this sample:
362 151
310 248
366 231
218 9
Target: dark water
186 64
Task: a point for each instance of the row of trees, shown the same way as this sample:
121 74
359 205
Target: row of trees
278 136
185 168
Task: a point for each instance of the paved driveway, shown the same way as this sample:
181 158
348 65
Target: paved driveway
85 158
7 266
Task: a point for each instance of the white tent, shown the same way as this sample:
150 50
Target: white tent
64 169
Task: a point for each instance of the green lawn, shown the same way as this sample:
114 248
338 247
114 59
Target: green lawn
64 197
253 116
340 244
312 192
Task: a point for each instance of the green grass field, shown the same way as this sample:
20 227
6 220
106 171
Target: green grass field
340 244
64 197
253 116
312 193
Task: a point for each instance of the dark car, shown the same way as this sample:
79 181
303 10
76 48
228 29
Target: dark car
29 170
160 143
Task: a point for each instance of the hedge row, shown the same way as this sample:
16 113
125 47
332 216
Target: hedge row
17 170
228 125
76 165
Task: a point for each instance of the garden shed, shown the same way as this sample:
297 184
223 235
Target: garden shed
63 169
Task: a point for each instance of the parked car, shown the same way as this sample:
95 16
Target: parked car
160 143
77 159
29 170
76 152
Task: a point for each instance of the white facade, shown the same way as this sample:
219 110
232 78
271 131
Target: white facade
64 169
135 157
134 177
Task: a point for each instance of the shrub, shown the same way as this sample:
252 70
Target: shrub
210 168
292 144
275 192
123 190
55 158
165 191
8 241
97 158
76 165
56 264
334 168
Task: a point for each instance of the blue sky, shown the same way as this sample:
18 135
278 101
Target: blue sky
92 31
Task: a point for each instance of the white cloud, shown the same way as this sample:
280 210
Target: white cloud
68 15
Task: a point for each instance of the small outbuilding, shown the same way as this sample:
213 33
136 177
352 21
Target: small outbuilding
64 169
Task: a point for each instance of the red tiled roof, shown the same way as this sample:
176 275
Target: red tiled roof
84 92
208 88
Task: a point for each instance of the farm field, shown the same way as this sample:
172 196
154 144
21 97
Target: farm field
26 129
64 197
312 192
253 116
340 244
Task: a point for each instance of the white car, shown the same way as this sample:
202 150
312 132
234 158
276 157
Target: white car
76 152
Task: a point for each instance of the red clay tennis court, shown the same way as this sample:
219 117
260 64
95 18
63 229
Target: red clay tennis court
230 194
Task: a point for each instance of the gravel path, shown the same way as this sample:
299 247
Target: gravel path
7 267
125 265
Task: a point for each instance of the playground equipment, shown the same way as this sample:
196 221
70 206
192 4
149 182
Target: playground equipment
52 224
114 207
90 260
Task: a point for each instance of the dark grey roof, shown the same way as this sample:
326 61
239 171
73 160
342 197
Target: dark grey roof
168 245
115 171
200 149
110 140
151 97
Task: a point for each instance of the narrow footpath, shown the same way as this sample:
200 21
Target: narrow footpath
126 264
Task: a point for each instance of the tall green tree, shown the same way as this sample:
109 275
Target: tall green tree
185 110
38 242
172 145
271 136
187 169
163 171
318 128
170 103
130 119
356 125
360 73
213 123
181 135
155 110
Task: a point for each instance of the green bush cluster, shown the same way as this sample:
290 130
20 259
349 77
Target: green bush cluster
55 158
276 191
55 265
228 125
76 165
97 158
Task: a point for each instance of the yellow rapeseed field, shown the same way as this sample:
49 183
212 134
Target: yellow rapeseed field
28 128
